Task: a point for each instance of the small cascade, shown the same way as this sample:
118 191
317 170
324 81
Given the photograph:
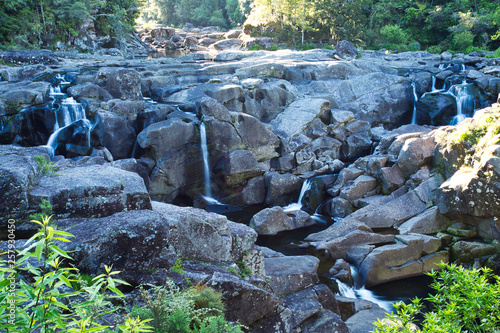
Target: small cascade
306 186
206 166
359 291
465 101
67 112
415 99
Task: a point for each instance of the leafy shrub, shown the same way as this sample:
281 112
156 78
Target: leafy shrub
462 40
195 309
46 210
44 299
435 49
256 47
274 48
465 301
394 34
45 168
494 55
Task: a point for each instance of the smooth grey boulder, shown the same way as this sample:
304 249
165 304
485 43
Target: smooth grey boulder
362 321
325 321
271 221
467 251
26 57
121 83
226 44
428 222
18 171
436 109
298 115
89 90
95 190
345 50
245 302
172 133
392 213
413 255
287 275
15 97
282 189
338 207
345 175
162 33
224 93
392 178
131 164
415 153
114 132
357 188
240 165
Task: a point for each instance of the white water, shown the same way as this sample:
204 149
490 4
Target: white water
415 99
206 167
465 101
361 292
69 112
306 186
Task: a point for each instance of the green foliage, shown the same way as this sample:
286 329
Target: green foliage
462 40
245 271
465 301
45 168
307 46
274 48
256 47
494 55
178 267
394 34
44 299
188 310
46 210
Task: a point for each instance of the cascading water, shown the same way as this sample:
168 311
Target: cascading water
206 166
359 291
306 186
415 99
67 112
465 101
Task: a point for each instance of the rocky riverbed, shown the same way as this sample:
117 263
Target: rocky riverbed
159 139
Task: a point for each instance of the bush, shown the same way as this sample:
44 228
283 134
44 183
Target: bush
494 55
462 40
44 299
435 49
465 301
195 309
393 34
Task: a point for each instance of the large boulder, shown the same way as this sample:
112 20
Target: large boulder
436 109
287 275
29 57
89 90
272 220
17 96
96 190
345 50
114 132
412 255
18 171
282 189
120 82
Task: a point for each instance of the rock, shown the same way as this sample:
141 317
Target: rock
127 108
357 188
232 43
95 190
240 165
244 301
282 189
173 134
345 175
466 251
162 33
131 164
298 115
415 153
429 222
345 50
18 171
121 83
415 255
17 74
362 321
270 70
338 207
341 236
113 132
29 57
197 234
392 213
270 221
392 178
224 93
287 275
234 33
326 321
15 97
436 109
89 90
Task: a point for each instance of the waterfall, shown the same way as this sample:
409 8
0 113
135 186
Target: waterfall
67 112
306 186
465 101
415 99
359 291
206 166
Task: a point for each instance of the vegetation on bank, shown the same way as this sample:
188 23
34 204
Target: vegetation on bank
41 292
402 25
464 301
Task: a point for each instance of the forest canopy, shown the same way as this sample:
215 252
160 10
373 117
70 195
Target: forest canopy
433 25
